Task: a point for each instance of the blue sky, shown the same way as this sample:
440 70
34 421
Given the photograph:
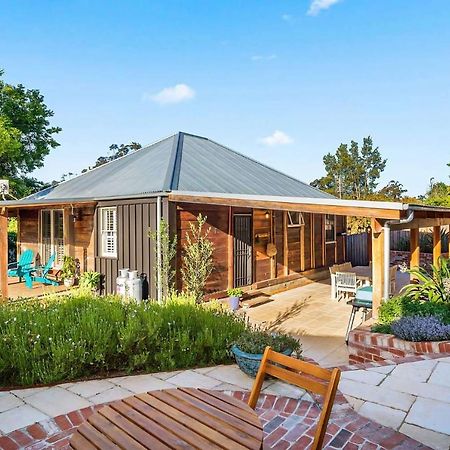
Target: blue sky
282 81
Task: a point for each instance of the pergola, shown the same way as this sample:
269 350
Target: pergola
385 216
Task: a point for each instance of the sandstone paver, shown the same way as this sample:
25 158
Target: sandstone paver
431 414
20 417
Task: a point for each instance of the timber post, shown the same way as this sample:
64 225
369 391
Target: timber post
437 245
3 255
377 265
414 244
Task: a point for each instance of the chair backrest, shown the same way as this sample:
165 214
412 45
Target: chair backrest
346 266
304 375
26 258
49 264
346 279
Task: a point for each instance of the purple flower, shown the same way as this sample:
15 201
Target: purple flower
419 328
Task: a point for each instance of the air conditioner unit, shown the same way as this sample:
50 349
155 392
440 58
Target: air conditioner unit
4 187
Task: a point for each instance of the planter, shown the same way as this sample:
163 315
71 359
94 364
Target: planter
69 282
249 362
233 302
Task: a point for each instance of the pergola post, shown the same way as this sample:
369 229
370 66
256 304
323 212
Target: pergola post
377 265
3 255
437 244
414 244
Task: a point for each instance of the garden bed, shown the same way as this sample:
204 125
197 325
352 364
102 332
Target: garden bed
366 346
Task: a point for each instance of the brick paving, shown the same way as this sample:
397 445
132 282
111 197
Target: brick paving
288 424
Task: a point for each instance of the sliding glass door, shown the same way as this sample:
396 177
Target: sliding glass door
52 235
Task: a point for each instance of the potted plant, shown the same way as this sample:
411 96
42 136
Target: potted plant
90 281
68 271
234 296
248 349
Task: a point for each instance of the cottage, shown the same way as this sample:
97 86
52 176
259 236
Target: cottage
267 227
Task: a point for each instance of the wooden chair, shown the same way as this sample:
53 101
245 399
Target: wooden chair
304 375
23 267
40 273
346 283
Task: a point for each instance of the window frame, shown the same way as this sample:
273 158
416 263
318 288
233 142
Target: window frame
327 217
103 233
291 223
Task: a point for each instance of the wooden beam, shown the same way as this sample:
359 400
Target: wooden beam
230 268
68 230
414 261
377 264
285 244
422 223
3 255
437 245
273 259
302 248
344 210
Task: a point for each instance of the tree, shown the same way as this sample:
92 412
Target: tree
438 194
116 151
164 264
26 136
352 172
392 191
197 259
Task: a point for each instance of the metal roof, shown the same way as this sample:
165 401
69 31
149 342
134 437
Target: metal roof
182 162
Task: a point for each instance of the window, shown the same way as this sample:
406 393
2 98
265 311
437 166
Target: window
295 219
52 235
108 232
330 228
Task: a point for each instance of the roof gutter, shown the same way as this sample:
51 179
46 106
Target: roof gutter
387 249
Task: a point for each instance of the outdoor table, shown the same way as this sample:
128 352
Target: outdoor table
363 273
172 419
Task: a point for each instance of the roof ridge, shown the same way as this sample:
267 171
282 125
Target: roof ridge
172 177
269 167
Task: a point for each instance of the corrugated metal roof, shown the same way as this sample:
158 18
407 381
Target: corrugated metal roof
182 162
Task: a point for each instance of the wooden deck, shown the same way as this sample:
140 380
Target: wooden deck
18 290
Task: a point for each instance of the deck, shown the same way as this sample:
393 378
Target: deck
17 290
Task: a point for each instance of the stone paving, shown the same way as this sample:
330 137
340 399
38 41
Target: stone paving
413 397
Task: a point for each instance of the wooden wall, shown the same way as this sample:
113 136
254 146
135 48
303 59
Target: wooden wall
306 248
79 242
135 250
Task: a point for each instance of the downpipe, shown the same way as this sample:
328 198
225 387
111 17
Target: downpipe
158 249
387 249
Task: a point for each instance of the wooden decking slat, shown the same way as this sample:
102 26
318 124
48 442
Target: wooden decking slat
220 403
94 436
79 442
164 428
219 413
196 424
140 434
114 433
198 416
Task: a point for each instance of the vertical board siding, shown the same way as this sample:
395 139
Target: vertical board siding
294 249
262 236
278 239
318 240
134 248
356 250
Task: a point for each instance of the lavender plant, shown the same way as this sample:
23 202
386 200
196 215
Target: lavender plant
419 328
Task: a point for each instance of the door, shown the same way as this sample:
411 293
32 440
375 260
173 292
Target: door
52 235
242 250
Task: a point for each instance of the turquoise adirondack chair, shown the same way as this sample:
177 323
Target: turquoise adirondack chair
23 267
39 274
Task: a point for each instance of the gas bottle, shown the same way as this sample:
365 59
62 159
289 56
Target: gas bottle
134 285
121 280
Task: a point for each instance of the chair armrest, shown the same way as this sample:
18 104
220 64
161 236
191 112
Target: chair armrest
10 265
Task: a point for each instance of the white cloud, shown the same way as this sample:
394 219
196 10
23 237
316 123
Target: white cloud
277 138
174 94
287 17
318 5
263 57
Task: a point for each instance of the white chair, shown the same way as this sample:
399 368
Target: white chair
333 270
346 284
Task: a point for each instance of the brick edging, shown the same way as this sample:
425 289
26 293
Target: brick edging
366 346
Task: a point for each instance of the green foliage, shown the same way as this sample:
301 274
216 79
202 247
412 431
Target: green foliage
89 280
165 263
69 267
404 306
438 194
26 136
434 286
352 172
235 292
115 152
62 338
197 259
256 340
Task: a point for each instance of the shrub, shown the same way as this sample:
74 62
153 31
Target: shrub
62 338
419 328
401 306
235 292
255 341
434 286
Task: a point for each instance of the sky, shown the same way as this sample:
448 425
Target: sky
283 81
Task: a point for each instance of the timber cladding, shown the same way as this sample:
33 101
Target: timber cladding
135 249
